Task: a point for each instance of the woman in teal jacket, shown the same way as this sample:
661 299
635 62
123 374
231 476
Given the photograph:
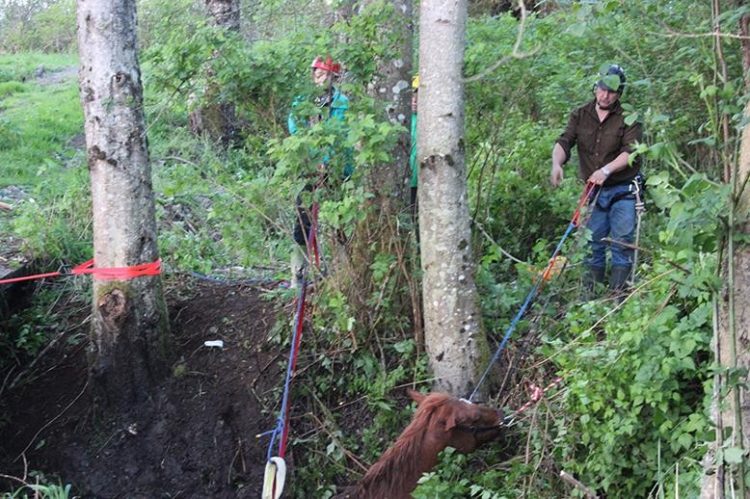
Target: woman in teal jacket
332 104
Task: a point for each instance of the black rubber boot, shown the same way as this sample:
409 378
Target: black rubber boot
618 281
594 276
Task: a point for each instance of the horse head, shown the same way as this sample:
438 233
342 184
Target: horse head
440 421
456 423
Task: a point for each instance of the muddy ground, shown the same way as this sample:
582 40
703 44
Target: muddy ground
195 437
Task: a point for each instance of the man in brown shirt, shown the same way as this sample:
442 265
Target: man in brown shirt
605 143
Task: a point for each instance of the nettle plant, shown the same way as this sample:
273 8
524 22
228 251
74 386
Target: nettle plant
638 378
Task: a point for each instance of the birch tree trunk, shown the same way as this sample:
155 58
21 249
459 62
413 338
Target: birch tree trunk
454 339
129 323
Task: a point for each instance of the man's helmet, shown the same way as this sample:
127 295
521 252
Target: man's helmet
327 64
611 78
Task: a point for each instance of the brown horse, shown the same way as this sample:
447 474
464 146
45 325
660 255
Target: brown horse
440 421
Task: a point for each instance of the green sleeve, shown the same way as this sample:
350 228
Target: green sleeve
413 153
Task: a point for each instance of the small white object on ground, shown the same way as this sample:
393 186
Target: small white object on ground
214 343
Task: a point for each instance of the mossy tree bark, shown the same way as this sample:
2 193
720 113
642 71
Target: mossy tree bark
381 232
454 339
730 409
129 322
213 117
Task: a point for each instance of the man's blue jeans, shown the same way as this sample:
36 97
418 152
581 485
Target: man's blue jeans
613 216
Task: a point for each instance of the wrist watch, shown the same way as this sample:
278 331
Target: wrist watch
606 171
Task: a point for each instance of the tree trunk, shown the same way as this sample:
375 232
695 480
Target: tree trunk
745 44
731 349
212 117
733 322
454 339
129 322
380 232
392 86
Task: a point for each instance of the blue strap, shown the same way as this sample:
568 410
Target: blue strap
526 304
281 421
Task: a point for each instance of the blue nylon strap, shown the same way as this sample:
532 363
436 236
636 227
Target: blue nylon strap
281 421
524 308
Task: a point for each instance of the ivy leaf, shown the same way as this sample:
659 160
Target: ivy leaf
733 455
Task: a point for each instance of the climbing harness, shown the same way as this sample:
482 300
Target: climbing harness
539 283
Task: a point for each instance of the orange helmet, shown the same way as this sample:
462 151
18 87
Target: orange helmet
327 64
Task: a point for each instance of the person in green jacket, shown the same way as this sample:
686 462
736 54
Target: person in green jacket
413 154
332 104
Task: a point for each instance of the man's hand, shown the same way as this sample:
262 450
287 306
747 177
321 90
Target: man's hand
556 175
599 176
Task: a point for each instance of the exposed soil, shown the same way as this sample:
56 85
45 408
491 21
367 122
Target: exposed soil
195 437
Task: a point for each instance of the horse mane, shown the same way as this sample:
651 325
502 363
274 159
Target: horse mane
402 461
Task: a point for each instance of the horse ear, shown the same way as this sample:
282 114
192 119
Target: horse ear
416 396
450 421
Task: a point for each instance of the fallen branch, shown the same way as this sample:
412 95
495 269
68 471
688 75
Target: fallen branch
674 264
590 494
5 206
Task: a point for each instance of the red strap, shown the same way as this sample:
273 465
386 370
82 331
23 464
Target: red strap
297 341
313 242
590 187
29 277
101 274
118 273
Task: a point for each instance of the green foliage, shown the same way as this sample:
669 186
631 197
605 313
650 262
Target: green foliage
54 222
38 26
459 475
29 330
8 88
651 367
633 406
42 489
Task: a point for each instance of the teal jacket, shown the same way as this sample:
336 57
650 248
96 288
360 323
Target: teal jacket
413 153
337 109
339 105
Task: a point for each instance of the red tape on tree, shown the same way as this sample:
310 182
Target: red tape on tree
101 274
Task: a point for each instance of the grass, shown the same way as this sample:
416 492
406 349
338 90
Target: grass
36 122
20 66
